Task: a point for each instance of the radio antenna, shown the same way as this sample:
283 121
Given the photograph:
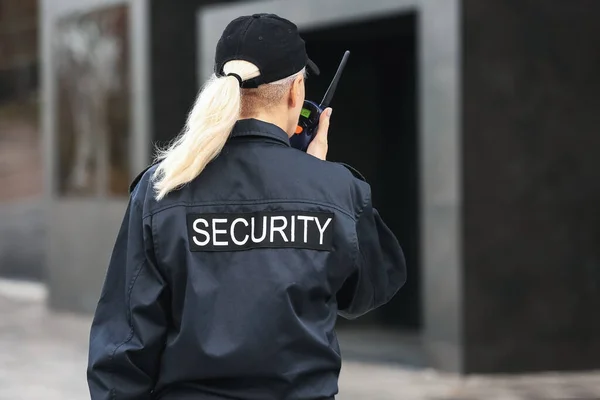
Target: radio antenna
331 91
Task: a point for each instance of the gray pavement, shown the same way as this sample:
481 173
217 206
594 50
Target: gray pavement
43 356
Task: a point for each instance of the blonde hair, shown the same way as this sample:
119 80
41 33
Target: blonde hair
216 110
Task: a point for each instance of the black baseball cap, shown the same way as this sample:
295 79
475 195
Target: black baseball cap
270 42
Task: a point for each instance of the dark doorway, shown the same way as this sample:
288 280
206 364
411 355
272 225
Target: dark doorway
374 128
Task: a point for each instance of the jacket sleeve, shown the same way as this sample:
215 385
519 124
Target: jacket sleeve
130 322
380 267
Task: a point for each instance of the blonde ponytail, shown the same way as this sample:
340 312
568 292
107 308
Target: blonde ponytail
208 126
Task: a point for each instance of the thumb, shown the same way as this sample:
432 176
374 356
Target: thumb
323 129
318 147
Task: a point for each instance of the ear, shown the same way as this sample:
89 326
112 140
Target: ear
296 91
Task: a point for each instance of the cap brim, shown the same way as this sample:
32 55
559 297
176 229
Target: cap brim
312 67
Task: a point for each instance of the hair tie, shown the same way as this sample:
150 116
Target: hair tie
236 76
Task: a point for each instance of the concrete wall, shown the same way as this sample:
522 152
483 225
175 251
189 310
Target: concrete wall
81 229
22 240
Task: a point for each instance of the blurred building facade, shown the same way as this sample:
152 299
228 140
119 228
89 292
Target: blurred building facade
21 184
474 122
19 55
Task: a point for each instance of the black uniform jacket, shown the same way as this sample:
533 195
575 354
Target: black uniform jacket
229 288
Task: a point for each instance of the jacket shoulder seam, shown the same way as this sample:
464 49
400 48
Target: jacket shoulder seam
251 202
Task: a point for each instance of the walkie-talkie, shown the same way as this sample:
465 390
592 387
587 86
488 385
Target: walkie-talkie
311 112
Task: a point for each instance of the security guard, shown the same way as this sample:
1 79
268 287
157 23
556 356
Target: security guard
237 252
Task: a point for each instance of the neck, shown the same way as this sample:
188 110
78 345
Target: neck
272 118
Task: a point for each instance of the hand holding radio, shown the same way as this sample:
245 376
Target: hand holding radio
311 114
319 145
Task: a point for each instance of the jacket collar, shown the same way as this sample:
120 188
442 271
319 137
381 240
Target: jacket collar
242 128
256 128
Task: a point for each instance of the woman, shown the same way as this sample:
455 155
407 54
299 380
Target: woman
237 252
